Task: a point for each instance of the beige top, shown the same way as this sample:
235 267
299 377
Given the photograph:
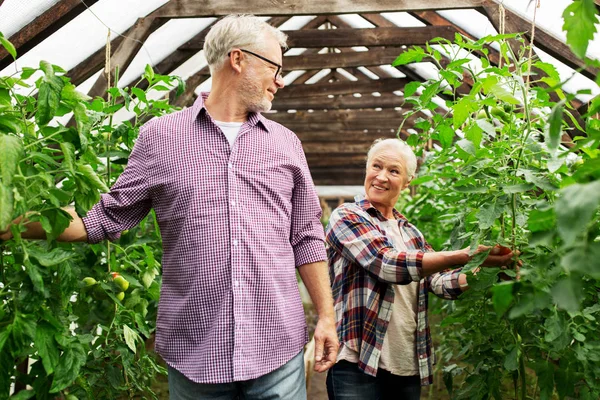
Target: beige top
399 352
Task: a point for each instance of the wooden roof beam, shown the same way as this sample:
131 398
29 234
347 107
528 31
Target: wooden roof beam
43 26
341 37
338 102
342 60
213 8
325 88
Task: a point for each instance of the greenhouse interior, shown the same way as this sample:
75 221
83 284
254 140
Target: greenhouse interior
175 220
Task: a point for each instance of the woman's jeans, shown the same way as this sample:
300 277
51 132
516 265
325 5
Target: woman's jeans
287 382
346 382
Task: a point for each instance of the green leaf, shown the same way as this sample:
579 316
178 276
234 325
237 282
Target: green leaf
474 134
574 209
519 188
540 181
58 219
68 150
35 275
539 221
149 73
580 20
130 337
429 92
489 213
555 122
23 395
23 329
49 94
4 335
583 258
446 135
49 259
91 177
8 46
511 362
6 206
140 94
12 153
501 92
502 297
148 277
415 54
46 346
566 293
68 368
181 86
467 146
462 109
411 88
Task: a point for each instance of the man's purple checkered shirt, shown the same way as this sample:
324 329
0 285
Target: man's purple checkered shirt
235 222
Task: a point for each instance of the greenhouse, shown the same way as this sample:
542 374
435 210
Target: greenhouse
253 199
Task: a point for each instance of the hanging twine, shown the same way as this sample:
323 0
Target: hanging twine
502 15
531 42
107 60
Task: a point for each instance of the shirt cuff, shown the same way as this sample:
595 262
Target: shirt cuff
94 227
309 252
414 261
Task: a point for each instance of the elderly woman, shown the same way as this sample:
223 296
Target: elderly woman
381 269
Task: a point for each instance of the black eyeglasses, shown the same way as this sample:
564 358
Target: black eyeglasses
278 73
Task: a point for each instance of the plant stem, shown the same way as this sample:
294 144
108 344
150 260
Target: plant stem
522 375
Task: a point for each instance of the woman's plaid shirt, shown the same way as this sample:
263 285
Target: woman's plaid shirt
362 266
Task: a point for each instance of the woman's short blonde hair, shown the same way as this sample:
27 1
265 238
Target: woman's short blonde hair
409 156
237 31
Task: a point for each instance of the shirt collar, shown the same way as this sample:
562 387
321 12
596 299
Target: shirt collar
366 205
253 118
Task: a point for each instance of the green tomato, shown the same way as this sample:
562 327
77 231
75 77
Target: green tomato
120 296
499 113
121 282
89 281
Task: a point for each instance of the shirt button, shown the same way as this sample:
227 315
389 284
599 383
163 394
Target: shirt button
235 242
421 356
233 203
237 283
230 165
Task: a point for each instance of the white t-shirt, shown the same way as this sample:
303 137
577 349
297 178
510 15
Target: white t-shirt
230 130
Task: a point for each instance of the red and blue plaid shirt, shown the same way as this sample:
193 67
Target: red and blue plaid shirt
363 265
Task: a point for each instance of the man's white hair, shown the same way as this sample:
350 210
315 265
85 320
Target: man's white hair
237 32
409 156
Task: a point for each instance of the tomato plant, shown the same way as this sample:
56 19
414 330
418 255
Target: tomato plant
496 170
74 319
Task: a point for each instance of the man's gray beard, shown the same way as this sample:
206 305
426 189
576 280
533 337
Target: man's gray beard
264 106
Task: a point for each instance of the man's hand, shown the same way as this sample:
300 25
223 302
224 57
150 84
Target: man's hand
326 345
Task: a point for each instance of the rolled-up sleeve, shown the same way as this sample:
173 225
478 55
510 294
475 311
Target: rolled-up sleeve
127 203
445 284
306 233
358 240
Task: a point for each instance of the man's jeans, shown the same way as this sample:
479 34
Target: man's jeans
346 382
286 383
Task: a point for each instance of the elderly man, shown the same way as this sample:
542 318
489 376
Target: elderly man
238 213
381 269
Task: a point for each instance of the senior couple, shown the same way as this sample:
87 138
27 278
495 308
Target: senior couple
239 214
